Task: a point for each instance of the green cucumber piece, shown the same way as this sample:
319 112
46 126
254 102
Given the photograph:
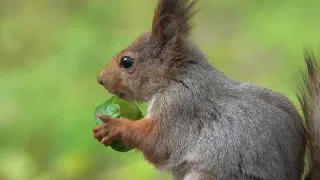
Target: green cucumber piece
117 108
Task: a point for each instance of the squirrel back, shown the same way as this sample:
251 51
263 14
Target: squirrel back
202 125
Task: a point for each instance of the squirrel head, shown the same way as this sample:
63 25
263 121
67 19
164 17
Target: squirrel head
153 60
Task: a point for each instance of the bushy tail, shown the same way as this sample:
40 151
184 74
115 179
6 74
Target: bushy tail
309 98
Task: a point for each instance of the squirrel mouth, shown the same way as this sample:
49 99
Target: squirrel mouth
125 95
121 95
115 92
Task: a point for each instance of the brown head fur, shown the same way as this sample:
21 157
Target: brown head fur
157 54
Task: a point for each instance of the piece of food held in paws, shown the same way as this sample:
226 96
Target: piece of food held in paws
117 108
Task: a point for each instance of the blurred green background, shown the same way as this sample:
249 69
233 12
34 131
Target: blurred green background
52 50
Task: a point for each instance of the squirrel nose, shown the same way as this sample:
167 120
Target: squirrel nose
99 81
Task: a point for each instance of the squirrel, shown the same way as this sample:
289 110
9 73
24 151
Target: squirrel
201 124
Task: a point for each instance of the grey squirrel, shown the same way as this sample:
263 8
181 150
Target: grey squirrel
202 125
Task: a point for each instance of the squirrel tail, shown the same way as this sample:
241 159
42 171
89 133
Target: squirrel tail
309 99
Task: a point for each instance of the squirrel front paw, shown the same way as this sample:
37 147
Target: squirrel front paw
107 132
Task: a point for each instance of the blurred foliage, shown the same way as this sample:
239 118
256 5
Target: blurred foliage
52 50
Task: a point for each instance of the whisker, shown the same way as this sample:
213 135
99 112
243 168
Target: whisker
99 62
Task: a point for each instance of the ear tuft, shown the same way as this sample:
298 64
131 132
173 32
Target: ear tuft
172 18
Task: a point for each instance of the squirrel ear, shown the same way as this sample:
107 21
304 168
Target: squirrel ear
172 19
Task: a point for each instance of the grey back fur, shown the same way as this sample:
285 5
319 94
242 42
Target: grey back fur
221 129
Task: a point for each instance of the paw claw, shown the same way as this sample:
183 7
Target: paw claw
103 117
107 141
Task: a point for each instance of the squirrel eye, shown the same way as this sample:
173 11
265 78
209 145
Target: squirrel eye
126 62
